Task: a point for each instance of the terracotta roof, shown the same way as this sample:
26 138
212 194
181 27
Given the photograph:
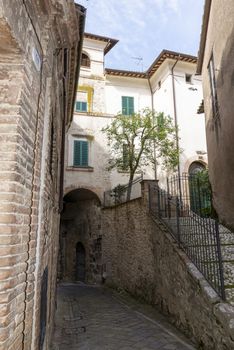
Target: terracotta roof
165 54
125 73
110 41
205 23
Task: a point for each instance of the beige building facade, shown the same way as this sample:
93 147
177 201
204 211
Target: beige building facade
40 46
170 86
215 62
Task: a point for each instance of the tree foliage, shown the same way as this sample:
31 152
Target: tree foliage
132 140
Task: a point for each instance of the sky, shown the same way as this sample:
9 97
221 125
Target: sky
144 28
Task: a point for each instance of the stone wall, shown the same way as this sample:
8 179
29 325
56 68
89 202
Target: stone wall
39 40
142 258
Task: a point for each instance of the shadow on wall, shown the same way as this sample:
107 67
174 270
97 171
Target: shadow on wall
220 129
80 257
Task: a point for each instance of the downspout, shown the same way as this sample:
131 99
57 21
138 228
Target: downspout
175 109
152 109
176 122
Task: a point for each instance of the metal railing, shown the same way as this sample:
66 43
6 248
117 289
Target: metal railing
119 194
183 208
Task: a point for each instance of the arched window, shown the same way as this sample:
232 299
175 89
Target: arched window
85 60
199 190
196 167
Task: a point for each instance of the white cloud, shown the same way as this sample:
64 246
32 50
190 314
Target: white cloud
143 27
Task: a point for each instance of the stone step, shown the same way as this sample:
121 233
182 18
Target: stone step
230 295
227 252
228 271
226 236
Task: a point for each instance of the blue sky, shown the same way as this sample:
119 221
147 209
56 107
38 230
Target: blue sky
144 28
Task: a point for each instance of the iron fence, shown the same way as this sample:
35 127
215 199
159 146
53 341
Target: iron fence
184 207
119 194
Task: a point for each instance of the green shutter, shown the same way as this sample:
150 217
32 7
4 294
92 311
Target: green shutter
77 106
124 105
80 154
127 105
76 153
130 105
84 155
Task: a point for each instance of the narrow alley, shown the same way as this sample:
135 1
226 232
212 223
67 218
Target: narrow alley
93 318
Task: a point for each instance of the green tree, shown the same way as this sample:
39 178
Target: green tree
133 139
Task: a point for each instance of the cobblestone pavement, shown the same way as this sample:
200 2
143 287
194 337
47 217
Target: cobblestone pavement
92 318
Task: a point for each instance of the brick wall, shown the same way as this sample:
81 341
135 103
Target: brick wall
142 258
32 114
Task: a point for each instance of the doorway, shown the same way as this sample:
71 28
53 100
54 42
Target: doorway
80 262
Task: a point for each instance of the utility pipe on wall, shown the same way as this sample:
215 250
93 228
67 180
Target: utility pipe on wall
152 108
176 123
175 109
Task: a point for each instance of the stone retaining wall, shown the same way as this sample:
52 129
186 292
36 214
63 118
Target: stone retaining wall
142 258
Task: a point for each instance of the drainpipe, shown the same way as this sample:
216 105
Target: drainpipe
176 121
152 109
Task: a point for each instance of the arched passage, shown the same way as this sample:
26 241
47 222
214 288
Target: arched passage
80 257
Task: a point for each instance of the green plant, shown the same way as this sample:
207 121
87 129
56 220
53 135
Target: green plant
134 139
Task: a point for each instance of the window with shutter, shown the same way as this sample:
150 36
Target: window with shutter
127 105
80 153
81 101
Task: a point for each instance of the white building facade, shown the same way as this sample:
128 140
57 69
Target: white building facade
169 85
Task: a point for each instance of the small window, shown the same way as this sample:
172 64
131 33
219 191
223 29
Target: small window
159 84
214 96
80 153
188 78
81 106
127 105
85 60
81 101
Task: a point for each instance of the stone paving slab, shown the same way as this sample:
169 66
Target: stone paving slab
93 318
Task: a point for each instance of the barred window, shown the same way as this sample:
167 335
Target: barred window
85 60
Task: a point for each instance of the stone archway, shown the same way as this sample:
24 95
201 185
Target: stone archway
80 257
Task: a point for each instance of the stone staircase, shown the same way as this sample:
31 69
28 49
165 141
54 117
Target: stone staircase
227 248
